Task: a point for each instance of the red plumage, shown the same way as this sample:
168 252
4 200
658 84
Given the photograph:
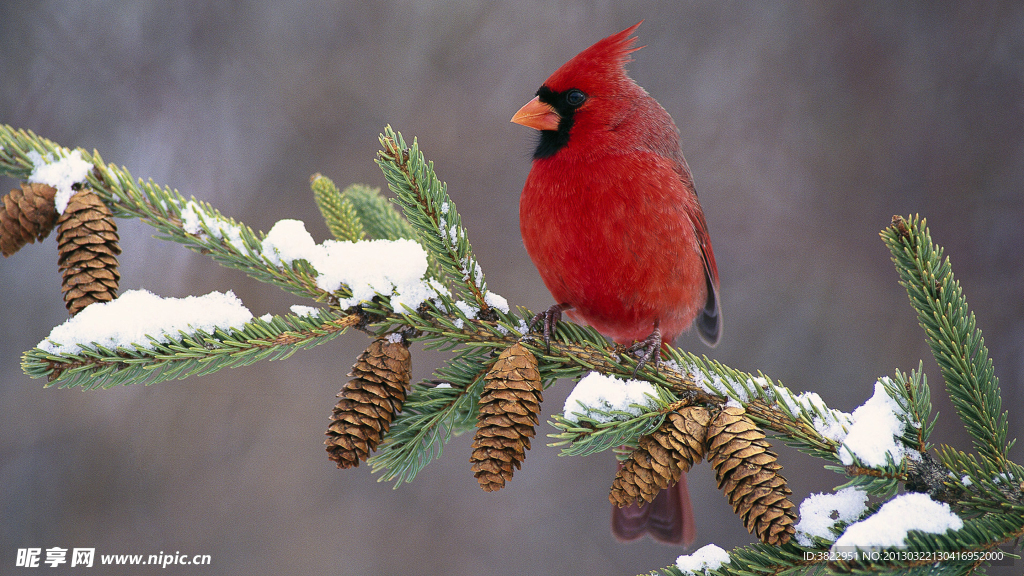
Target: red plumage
610 217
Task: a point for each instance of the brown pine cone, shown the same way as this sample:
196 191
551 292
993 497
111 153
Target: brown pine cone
26 215
749 474
509 405
369 402
662 456
87 246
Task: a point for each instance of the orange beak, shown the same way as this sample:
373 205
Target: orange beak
537 115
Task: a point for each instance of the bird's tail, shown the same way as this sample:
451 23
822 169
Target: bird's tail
668 518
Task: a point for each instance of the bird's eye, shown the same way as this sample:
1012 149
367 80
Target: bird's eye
575 97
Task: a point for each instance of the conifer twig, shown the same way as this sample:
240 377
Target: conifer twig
951 332
432 212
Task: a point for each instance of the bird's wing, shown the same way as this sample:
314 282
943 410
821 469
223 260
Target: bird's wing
709 321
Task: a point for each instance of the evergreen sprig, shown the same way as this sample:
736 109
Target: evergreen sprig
15 146
337 209
432 213
196 353
587 435
914 399
951 332
465 319
228 242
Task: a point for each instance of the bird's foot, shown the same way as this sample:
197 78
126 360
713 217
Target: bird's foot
551 316
646 350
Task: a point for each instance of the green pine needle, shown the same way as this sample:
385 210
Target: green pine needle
379 216
951 332
430 416
432 213
340 215
187 354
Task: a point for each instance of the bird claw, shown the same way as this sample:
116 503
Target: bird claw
551 316
649 349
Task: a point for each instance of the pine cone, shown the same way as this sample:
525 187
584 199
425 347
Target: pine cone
662 456
369 401
509 406
88 248
26 215
748 473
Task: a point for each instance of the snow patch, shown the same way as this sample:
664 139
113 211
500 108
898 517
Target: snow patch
597 391
496 301
889 526
393 268
193 216
875 430
300 310
831 424
819 513
61 173
138 315
709 557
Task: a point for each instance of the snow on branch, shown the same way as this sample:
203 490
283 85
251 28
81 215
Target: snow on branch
139 316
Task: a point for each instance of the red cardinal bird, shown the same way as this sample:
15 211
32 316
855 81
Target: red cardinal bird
610 217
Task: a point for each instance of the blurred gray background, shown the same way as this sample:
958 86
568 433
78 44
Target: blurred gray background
807 126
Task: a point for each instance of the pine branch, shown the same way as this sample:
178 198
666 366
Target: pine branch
15 146
982 485
432 213
194 224
588 435
200 228
194 354
882 481
951 332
